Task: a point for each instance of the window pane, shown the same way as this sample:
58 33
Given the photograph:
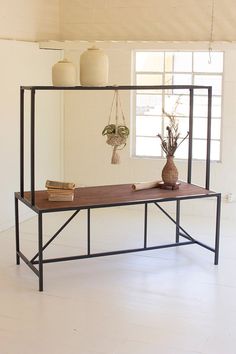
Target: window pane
199 149
215 129
216 107
148 147
148 126
205 63
200 108
183 126
183 62
215 150
149 79
149 105
178 68
200 128
169 60
168 79
182 79
182 151
208 80
177 103
149 61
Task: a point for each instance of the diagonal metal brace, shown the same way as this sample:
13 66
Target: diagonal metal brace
57 233
185 234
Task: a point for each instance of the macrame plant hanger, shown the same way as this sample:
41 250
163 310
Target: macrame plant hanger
117 133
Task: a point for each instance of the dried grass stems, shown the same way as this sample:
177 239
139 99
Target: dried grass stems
170 143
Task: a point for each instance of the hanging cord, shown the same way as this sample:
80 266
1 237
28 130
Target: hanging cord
117 106
115 159
112 105
212 30
122 113
116 97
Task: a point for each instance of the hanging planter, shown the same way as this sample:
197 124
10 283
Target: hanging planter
116 133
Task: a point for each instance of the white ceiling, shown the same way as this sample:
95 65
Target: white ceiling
158 20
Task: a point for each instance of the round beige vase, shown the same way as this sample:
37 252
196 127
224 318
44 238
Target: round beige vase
94 67
64 74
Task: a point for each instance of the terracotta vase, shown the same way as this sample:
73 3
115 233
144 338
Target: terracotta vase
170 172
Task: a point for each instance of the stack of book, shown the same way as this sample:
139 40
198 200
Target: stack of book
60 191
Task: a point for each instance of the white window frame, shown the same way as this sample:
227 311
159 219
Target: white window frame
134 73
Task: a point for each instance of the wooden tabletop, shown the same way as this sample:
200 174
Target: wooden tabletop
113 195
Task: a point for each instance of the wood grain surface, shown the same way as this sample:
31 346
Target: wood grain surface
112 195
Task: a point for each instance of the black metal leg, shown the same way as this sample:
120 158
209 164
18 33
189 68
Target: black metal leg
88 230
217 237
56 234
190 139
22 168
17 231
177 221
32 148
145 224
208 152
40 250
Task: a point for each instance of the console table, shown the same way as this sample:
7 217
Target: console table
88 198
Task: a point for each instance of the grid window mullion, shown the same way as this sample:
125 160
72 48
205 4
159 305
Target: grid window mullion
172 93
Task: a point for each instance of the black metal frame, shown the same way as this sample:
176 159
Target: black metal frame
180 231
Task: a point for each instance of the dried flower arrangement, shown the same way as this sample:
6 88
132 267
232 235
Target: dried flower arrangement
170 143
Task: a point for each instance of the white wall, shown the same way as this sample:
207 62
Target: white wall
87 156
29 19
24 63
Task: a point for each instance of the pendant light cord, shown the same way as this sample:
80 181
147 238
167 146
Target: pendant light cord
211 30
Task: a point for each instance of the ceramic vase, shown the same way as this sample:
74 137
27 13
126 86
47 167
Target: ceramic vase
64 74
94 67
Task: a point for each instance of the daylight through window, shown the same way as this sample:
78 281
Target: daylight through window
177 68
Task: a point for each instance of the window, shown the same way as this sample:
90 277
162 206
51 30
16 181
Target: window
176 68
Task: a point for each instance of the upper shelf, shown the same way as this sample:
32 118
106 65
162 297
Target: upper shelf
114 87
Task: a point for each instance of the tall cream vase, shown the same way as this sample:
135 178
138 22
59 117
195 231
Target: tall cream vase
94 67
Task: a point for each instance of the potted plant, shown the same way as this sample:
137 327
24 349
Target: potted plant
116 137
116 133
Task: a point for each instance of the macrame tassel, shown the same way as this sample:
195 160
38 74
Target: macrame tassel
115 159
